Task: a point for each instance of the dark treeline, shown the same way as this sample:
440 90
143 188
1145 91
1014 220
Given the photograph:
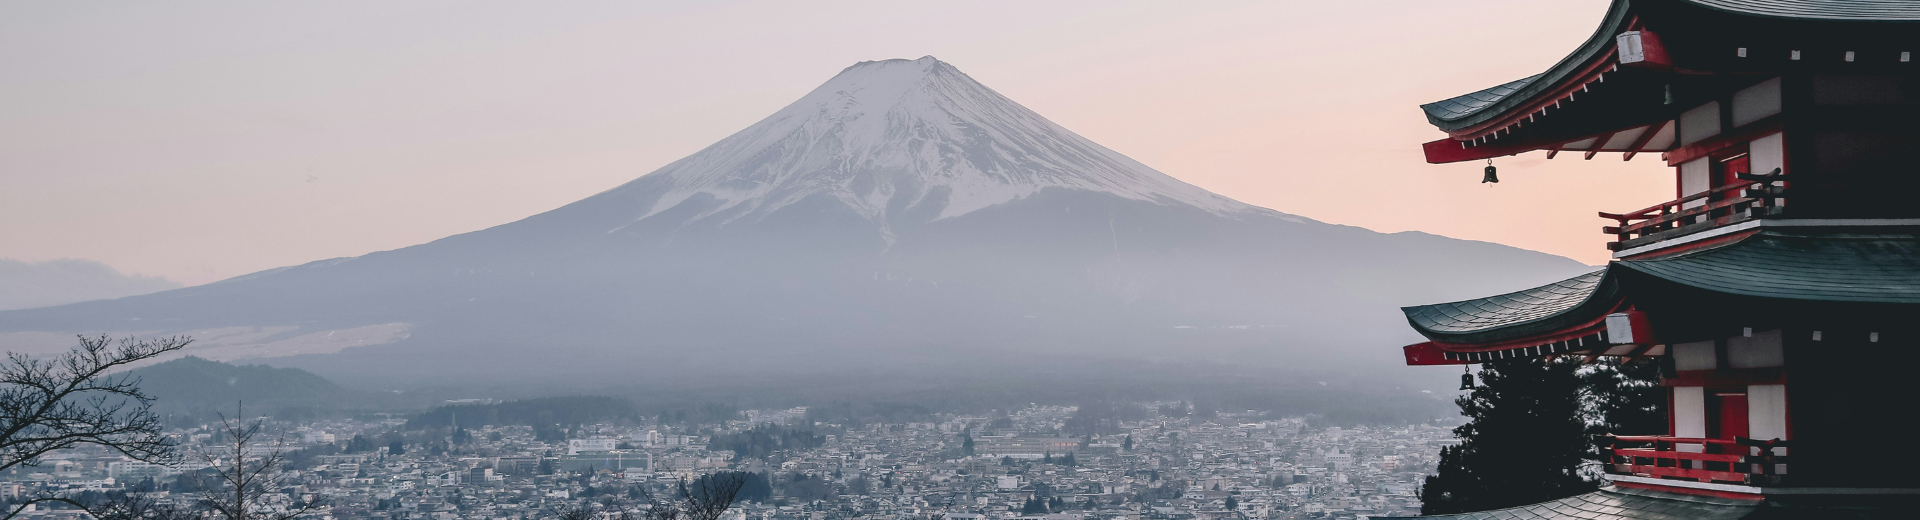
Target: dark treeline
542 412
765 439
1100 418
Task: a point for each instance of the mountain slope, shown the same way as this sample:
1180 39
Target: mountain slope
901 215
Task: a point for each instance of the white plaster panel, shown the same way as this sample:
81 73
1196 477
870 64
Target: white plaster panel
1756 102
1689 415
1767 411
1693 356
1695 177
1760 351
1700 123
1767 153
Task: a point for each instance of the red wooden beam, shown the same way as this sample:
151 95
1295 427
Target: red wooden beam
1728 138
1450 151
1598 143
1641 142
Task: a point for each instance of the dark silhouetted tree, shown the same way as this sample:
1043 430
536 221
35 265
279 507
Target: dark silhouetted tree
1524 442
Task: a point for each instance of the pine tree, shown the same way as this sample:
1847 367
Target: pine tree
966 443
1127 444
1524 443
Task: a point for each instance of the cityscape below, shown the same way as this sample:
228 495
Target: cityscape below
1139 461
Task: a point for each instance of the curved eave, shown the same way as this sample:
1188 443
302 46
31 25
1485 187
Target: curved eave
1552 309
1870 11
1487 110
1852 269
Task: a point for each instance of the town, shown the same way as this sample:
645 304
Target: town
1158 461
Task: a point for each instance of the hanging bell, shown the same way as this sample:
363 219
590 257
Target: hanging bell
1466 380
1490 177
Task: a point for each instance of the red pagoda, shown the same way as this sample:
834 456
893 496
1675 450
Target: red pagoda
1779 289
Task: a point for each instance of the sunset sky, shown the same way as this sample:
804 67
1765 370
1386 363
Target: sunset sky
201 140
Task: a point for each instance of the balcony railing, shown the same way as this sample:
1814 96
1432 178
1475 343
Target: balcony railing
1753 196
1736 461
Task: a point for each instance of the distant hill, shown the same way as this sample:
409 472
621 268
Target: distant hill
25 285
192 385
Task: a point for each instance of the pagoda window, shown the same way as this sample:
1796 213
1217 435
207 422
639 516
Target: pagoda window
1756 102
1695 176
1698 355
1848 90
1689 416
1728 164
1700 123
1769 152
1760 350
1767 413
1727 414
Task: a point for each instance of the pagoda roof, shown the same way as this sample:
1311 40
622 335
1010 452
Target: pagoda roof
1569 315
1626 501
1479 107
1860 268
1517 314
1529 113
1618 503
1842 10
1445 111
1473 108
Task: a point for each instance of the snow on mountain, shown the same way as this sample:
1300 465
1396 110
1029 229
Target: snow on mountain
899 211
900 135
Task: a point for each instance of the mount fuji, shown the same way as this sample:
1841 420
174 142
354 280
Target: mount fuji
899 214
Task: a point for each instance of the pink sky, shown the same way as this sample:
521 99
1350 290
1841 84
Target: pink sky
206 140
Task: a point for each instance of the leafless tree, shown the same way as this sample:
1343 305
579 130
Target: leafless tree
243 480
705 499
604 509
137 506
76 399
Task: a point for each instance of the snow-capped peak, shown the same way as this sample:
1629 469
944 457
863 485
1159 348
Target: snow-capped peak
906 134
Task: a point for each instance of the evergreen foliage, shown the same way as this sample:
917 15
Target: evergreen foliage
547 411
1523 445
754 487
764 440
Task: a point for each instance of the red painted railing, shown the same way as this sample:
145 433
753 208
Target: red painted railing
1738 461
1751 196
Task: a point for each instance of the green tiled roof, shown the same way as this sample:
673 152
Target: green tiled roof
1848 10
1622 504
1876 269
1516 314
1871 269
1483 105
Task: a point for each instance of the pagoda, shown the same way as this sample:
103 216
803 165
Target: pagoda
1779 290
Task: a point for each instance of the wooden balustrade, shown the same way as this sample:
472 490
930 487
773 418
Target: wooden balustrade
1738 460
1752 196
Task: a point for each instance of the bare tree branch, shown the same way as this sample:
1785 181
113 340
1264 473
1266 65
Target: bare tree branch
244 481
76 399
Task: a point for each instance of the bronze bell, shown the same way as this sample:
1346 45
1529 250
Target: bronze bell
1490 177
1466 380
